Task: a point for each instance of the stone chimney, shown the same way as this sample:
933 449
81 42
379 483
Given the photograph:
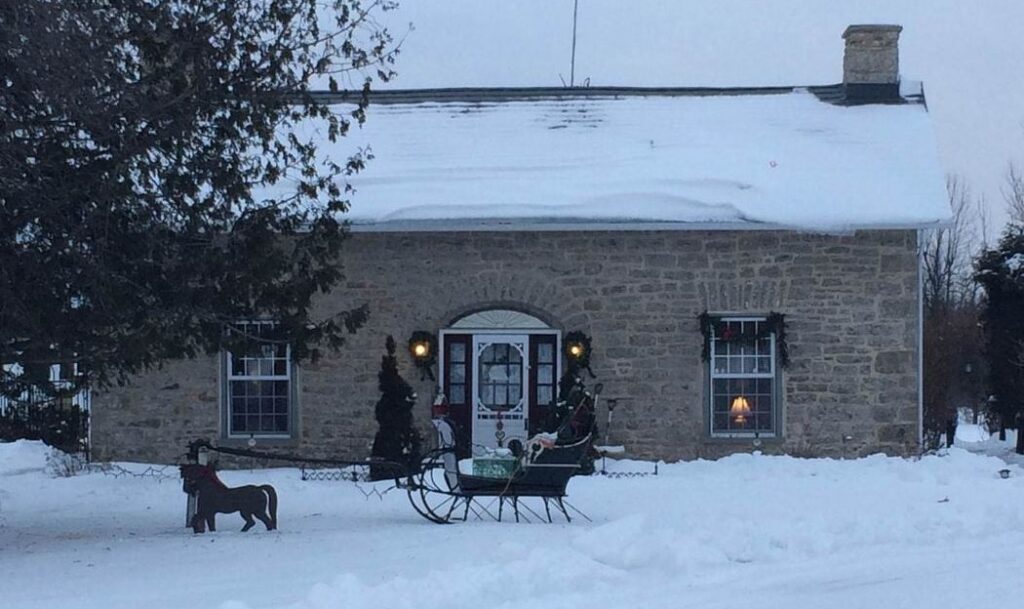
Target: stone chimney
871 64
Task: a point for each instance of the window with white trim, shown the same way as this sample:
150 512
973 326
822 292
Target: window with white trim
258 384
743 380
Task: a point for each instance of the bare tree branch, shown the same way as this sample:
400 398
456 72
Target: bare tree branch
1013 193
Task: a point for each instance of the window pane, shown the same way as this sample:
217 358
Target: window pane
545 353
764 422
545 395
281 405
501 376
457 352
458 395
457 373
545 374
239 405
722 403
495 373
721 421
748 365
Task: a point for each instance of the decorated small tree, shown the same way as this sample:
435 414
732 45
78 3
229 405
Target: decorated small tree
397 439
573 416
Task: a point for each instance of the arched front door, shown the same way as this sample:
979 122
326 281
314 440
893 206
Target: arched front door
500 374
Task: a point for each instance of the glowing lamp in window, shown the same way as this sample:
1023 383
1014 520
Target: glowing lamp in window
739 410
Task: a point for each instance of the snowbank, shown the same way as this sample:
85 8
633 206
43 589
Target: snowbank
23 457
799 533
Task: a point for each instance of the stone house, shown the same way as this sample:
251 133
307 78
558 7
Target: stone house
746 263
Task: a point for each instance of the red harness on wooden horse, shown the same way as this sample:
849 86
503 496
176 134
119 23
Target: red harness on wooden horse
207 471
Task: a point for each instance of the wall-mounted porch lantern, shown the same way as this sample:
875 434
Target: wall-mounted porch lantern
577 351
423 348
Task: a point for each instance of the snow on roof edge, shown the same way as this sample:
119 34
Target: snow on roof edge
420 182
588 224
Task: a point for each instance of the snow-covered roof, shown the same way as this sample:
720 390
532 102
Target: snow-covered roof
529 159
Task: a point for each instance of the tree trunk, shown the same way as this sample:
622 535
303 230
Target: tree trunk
1002 430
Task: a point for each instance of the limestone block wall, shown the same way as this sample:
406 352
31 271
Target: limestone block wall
850 303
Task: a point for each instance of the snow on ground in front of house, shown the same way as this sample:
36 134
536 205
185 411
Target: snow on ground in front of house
977 439
775 531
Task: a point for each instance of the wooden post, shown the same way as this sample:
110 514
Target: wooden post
202 458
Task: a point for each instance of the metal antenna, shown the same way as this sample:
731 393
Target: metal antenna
572 66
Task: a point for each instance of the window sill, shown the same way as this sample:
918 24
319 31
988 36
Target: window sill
264 441
743 439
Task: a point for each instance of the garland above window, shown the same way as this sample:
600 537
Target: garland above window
717 326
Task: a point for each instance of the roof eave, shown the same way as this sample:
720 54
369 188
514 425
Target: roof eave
545 225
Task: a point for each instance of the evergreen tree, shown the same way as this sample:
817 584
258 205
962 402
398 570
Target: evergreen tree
158 179
1001 272
397 438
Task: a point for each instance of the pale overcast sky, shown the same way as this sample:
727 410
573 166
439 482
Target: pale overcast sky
968 53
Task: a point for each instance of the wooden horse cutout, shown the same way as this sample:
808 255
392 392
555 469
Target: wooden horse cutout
214 497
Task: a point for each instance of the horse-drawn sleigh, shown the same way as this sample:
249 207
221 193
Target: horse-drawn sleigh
442 488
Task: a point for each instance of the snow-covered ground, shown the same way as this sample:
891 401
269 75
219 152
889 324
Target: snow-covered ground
771 531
